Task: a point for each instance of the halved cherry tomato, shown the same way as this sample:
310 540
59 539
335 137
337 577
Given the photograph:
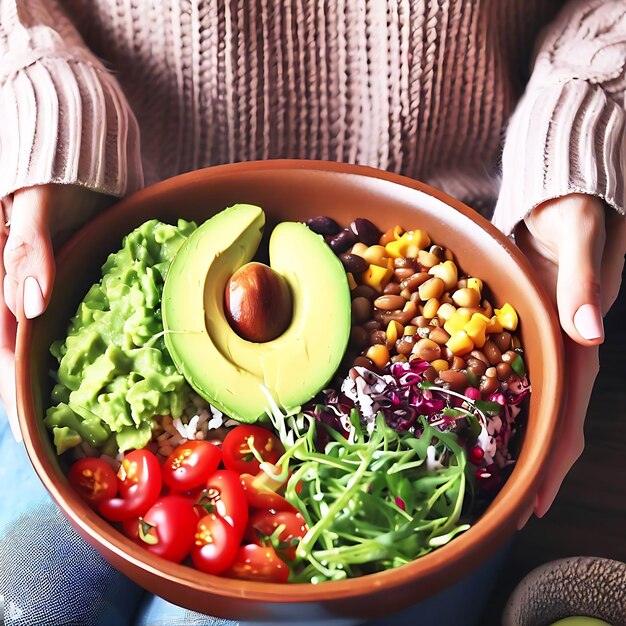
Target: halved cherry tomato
260 496
190 465
225 496
215 544
94 480
139 485
237 453
262 525
260 563
167 529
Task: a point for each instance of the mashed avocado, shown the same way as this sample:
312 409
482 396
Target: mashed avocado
114 372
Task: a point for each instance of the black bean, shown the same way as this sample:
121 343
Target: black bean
361 310
342 241
366 291
359 337
353 262
365 231
323 225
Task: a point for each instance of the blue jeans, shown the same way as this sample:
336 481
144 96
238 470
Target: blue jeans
49 576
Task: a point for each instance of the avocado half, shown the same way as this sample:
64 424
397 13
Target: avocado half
228 371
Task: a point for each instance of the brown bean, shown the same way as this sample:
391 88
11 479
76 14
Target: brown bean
361 310
439 335
404 263
476 366
488 385
378 337
389 302
502 340
478 354
427 349
405 345
457 380
353 262
415 280
363 361
509 356
323 225
364 291
503 371
458 363
408 313
398 358
439 252
406 293
358 337
430 374
402 274
492 352
392 288
415 297
371 325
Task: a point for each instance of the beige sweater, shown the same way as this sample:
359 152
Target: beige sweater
114 93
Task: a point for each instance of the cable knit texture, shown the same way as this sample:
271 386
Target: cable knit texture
425 88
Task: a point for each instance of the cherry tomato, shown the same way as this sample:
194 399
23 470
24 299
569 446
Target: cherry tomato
139 485
215 544
260 496
262 525
260 563
190 465
94 480
167 529
225 496
236 450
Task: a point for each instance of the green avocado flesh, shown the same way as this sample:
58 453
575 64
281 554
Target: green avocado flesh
228 371
114 372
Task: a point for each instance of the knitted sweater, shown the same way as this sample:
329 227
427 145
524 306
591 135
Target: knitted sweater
112 94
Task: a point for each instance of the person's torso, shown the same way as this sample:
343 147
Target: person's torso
423 88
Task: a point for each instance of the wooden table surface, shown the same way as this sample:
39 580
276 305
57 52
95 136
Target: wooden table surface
589 515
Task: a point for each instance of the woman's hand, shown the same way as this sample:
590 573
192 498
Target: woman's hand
34 218
577 247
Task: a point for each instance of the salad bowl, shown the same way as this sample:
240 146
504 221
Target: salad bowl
299 190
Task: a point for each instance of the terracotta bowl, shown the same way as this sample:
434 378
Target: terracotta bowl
296 190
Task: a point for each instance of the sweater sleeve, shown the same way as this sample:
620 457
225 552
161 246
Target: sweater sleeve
568 133
63 116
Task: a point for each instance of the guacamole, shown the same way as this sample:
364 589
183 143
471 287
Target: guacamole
114 372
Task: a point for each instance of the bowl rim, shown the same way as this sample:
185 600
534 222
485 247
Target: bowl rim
446 562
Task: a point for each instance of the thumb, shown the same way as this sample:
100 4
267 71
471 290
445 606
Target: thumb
579 251
28 255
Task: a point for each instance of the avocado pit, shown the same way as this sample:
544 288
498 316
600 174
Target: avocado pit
258 303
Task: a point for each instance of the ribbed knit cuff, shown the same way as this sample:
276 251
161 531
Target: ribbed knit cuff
565 138
67 121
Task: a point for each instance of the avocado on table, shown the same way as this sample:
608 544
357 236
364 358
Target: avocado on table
225 369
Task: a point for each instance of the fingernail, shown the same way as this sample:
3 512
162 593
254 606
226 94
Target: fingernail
588 322
34 304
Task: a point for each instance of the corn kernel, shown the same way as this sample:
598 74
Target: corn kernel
476 328
475 283
394 330
441 365
397 248
447 271
427 259
456 322
412 251
351 281
379 355
446 311
376 255
377 277
410 330
494 325
418 237
466 297
430 308
359 249
507 316
460 343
